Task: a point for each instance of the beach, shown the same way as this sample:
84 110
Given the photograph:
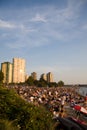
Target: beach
56 100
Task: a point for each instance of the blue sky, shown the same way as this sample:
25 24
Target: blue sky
51 35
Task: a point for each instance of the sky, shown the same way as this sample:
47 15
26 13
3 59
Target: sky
51 35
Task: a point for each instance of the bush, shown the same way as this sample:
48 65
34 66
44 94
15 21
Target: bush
7 125
23 114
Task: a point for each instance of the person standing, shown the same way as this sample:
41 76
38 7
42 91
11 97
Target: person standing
63 98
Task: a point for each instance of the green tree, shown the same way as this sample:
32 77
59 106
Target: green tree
1 76
60 83
42 83
30 81
36 82
52 84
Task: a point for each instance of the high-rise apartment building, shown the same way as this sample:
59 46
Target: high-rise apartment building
49 77
6 68
43 76
26 77
34 75
18 70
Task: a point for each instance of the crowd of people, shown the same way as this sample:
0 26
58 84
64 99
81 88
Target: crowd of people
53 98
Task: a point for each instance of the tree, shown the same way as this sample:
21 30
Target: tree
36 82
30 81
60 83
53 84
42 83
1 76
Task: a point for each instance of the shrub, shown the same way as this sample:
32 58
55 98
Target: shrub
25 115
7 125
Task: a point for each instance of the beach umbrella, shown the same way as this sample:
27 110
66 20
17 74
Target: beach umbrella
80 108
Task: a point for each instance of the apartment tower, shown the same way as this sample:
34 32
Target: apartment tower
6 68
18 70
43 76
34 75
49 77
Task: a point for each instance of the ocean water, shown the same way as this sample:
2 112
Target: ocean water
83 91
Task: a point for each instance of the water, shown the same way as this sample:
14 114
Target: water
83 90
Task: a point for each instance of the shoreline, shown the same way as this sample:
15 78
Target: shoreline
51 97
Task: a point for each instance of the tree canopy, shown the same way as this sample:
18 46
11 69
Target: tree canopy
30 81
60 83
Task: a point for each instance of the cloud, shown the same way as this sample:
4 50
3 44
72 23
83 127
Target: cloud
5 24
38 18
25 29
19 26
15 45
60 25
